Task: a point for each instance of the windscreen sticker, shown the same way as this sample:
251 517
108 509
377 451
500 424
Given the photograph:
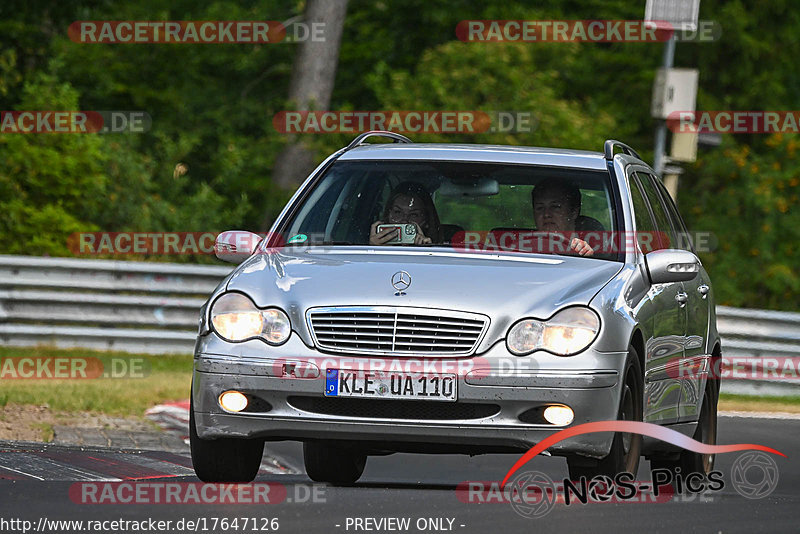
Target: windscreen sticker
299 238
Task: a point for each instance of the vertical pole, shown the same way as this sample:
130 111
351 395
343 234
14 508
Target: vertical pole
661 129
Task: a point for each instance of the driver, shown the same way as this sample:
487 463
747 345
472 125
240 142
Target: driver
556 209
408 203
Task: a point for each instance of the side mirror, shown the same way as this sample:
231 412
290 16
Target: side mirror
235 246
672 265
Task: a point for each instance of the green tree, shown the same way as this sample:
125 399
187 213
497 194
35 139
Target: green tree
50 185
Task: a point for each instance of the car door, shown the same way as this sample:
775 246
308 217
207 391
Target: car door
696 357
663 316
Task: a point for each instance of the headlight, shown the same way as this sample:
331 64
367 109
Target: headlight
235 318
567 332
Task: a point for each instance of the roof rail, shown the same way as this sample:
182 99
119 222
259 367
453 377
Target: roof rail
397 138
611 144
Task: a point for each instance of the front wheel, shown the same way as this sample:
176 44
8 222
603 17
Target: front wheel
706 432
692 462
226 459
626 448
329 463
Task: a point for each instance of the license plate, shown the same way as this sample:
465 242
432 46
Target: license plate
376 385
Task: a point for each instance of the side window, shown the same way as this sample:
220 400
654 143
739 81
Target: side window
645 228
684 238
666 233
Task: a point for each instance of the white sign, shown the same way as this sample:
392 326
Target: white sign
673 90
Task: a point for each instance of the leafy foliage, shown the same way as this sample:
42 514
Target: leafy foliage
205 165
750 203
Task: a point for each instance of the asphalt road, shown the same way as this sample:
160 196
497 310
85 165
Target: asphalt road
59 483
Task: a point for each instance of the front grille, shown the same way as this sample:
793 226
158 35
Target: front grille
393 409
388 330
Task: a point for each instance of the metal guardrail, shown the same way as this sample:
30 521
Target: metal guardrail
758 336
145 307
139 307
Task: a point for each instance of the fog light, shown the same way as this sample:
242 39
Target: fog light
559 415
233 401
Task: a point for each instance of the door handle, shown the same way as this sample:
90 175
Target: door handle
682 298
703 290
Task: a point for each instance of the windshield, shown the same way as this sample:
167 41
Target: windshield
463 206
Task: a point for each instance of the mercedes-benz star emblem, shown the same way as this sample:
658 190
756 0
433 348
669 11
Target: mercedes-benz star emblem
401 280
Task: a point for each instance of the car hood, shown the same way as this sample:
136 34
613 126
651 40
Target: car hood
505 288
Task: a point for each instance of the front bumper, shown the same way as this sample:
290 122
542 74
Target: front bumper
588 383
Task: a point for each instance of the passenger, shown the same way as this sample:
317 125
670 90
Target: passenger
557 208
408 203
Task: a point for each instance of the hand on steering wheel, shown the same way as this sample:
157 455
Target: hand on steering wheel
562 244
581 247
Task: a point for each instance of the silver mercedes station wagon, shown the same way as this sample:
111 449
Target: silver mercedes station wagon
440 298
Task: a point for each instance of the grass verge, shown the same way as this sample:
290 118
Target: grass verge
746 403
132 382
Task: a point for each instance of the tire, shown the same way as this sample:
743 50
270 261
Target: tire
336 465
225 459
706 432
626 449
